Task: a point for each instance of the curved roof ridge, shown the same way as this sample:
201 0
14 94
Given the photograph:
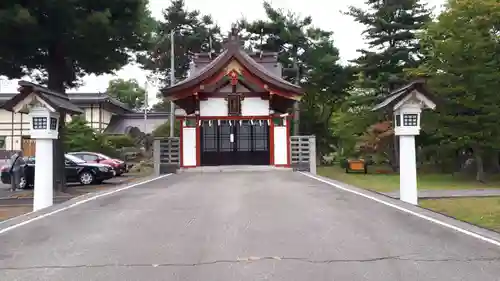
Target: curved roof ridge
262 69
233 51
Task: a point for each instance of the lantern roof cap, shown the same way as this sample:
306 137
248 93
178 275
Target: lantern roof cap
398 97
55 100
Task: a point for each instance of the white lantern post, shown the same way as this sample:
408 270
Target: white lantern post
407 104
44 129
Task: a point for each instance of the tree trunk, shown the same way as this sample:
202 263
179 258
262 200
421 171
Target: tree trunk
56 71
480 176
395 151
495 162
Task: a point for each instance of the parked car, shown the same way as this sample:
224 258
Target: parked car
118 165
77 170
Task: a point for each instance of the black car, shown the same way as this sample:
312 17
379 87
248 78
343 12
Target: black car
77 170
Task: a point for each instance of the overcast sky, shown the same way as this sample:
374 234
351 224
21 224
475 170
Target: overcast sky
326 14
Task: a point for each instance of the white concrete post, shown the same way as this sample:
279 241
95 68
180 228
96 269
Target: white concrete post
407 117
312 155
44 190
408 169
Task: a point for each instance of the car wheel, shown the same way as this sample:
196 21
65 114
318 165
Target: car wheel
86 178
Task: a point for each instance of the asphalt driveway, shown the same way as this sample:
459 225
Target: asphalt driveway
240 226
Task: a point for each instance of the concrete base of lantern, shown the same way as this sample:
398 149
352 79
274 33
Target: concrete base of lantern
43 190
408 170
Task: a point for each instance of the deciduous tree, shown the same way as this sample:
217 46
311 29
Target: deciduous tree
57 42
127 91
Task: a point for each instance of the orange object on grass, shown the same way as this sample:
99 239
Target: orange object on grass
357 165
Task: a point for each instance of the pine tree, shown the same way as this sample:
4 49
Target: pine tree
391 27
391 34
193 33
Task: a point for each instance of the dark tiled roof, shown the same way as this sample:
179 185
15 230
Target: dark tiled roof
79 99
401 92
57 100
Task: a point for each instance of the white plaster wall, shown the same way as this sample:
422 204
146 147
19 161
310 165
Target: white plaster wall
13 128
213 107
10 131
13 143
280 146
92 116
106 117
254 106
189 146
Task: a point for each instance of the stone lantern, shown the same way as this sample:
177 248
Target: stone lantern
406 104
45 108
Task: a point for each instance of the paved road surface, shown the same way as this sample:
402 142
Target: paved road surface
5 188
240 226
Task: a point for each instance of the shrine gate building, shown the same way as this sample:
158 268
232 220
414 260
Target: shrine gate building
234 109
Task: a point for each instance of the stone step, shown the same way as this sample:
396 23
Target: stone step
239 168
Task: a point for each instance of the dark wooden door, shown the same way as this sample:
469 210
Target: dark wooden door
238 143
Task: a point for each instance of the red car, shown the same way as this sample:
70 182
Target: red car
92 157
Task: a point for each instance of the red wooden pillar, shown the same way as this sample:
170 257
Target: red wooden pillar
198 145
271 139
181 142
288 148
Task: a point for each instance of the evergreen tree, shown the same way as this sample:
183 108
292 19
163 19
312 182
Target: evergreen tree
391 34
463 59
391 28
193 33
299 43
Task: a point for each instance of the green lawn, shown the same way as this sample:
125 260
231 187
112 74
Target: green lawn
390 182
484 212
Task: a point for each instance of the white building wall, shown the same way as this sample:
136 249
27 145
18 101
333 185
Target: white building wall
189 146
213 107
11 132
251 106
98 118
13 127
280 145
254 106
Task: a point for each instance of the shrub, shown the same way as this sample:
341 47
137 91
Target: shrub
120 141
164 130
80 137
343 163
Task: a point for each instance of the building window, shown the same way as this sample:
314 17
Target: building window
410 119
53 123
234 105
39 123
2 142
398 120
